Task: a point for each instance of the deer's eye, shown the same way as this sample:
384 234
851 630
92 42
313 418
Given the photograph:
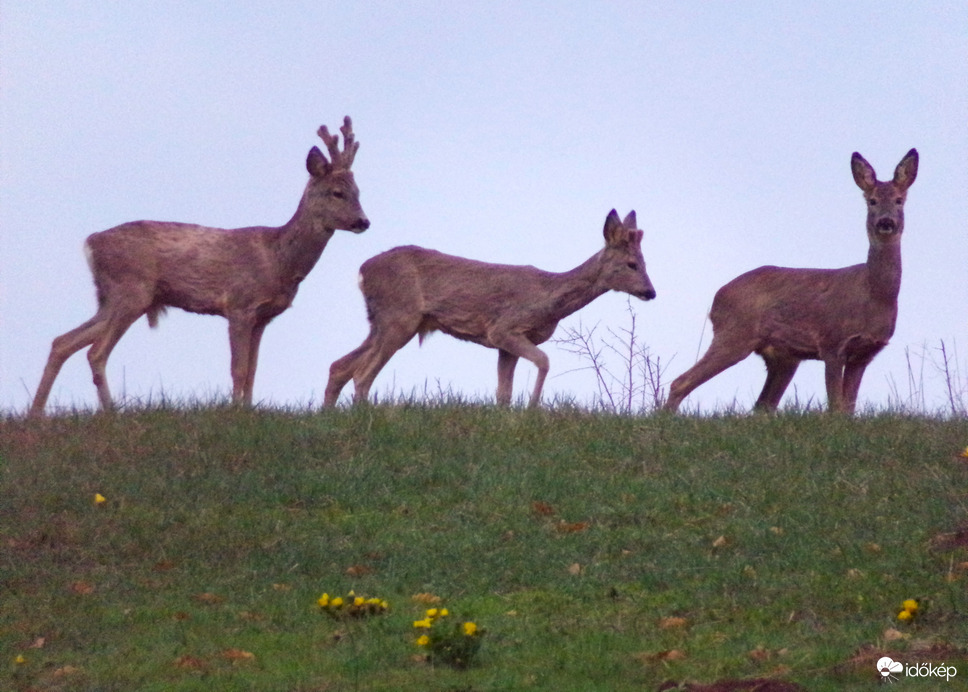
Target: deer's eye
873 202
634 266
338 194
899 201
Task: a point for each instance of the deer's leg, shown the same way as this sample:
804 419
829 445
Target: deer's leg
61 349
241 331
254 342
342 370
117 325
518 346
721 354
834 377
779 373
853 373
384 344
506 363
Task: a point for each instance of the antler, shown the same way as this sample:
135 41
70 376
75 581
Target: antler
344 158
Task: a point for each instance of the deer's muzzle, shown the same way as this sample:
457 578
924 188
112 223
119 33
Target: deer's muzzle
886 226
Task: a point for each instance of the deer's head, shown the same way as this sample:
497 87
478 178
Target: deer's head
885 200
332 195
623 267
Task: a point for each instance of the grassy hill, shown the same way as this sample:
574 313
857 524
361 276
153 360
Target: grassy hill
596 552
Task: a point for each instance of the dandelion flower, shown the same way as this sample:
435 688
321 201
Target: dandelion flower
323 600
905 615
444 612
910 605
20 660
358 601
423 640
470 629
336 602
99 499
964 453
425 623
432 612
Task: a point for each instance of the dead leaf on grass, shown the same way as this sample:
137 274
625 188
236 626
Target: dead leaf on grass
208 598
571 527
426 598
892 635
574 569
64 671
38 643
672 623
542 508
720 542
359 570
659 656
238 655
190 662
82 587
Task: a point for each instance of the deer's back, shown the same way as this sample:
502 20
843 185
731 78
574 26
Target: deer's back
806 313
461 297
196 268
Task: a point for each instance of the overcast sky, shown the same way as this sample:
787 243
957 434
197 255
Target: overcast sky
503 132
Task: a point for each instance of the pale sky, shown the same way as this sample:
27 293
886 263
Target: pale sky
502 132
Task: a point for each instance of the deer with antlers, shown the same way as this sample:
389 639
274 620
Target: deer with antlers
410 291
843 317
247 275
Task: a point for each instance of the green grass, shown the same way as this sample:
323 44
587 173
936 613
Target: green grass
785 544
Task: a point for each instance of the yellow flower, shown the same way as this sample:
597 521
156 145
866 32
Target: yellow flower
99 499
905 615
910 605
423 640
20 660
336 602
432 613
444 612
964 453
470 629
323 600
425 623
358 601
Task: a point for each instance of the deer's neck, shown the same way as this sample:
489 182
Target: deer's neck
577 288
301 242
884 271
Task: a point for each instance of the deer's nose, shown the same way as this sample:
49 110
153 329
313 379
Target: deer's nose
361 224
886 226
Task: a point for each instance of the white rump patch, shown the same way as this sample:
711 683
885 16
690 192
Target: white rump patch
89 255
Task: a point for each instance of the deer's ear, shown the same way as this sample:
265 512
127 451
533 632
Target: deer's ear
907 170
316 163
863 172
613 229
629 221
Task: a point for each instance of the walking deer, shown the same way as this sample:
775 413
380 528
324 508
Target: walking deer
843 317
410 290
247 275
